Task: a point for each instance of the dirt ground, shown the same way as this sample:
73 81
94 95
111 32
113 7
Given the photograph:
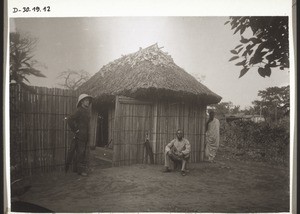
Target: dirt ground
224 186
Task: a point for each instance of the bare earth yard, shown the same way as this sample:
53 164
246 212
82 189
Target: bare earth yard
224 186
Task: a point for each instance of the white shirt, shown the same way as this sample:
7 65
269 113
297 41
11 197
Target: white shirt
183 146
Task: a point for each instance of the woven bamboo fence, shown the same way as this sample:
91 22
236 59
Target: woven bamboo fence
132 122
39 136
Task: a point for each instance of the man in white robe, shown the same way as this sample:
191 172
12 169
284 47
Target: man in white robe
212 137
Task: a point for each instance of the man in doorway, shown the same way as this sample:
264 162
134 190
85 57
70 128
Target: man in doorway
178 150
212 137
79 125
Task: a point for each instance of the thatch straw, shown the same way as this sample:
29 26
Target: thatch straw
149 73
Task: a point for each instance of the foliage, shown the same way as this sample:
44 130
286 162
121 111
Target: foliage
22 63
251 110
258 141
224 108
72 79
266 48
274 103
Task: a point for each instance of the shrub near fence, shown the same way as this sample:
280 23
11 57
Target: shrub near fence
257 141
39 136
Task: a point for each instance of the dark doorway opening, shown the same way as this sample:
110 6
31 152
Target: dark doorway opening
102 129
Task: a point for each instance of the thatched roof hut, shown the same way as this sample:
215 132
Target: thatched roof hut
148 73
145 96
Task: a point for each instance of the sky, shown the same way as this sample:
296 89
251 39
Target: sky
199 45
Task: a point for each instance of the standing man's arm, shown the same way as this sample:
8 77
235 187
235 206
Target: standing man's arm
72 121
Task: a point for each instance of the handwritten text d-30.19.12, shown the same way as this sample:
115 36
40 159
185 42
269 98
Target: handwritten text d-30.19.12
33 9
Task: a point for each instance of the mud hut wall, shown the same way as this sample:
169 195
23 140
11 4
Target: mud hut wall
39 136
168 117
133 121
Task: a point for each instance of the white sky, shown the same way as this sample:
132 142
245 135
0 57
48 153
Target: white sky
200 45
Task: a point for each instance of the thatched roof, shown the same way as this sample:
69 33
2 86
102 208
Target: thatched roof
148 73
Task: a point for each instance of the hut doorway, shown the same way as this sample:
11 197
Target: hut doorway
102 129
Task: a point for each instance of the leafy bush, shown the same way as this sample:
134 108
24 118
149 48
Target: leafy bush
257 141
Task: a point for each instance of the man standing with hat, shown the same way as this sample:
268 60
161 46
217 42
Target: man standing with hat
79 125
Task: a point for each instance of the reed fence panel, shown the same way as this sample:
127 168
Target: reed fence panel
172 116
132 122
39 136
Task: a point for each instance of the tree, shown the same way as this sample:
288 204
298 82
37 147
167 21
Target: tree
266 48
274 103
251 110
224 108
22 63
72 79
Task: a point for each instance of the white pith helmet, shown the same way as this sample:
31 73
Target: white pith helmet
81 97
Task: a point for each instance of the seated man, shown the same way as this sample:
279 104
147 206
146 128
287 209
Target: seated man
177 150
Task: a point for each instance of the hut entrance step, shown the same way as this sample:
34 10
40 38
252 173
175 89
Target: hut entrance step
102 153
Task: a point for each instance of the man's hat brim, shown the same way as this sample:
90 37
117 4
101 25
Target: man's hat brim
82 97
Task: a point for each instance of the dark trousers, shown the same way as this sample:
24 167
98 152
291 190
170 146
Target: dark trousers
79 154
